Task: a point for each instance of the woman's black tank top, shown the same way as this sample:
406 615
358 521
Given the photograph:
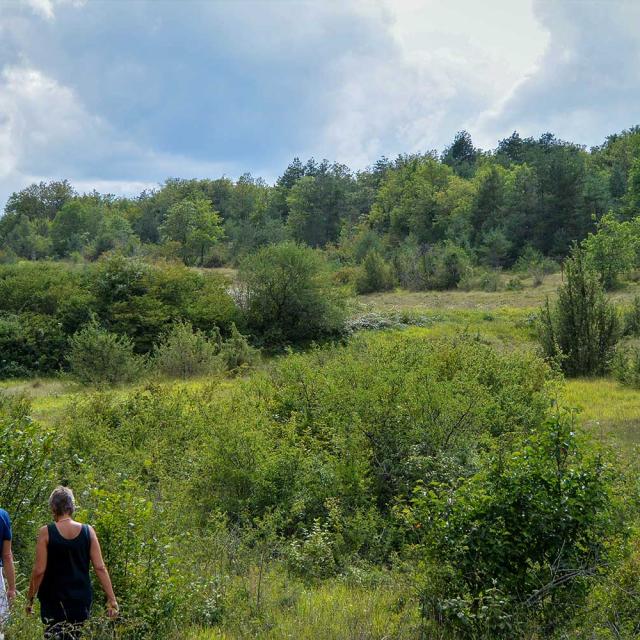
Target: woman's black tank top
65 592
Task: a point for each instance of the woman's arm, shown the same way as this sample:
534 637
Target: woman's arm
39 566
9 570
103 575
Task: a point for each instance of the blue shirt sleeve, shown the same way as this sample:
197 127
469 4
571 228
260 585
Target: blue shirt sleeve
5 526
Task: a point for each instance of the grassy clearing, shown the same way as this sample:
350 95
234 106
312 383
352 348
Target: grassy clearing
50 397
608 409
506 327
332 610
529 297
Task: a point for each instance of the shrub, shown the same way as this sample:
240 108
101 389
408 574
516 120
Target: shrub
312 557
612 607
582 329
534 264
26 464
375 274
99 357
444 266
185 353
514 284
494 248
626 366
408 265
289 296
360 424
155 594
480 280
30 343
632 318
236 352
613 249
439 266
531 523
346 275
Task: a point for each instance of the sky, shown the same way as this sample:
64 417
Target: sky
118 95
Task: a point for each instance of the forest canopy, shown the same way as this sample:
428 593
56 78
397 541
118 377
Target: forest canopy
525 195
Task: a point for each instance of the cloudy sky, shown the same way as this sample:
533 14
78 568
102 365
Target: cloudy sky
119 94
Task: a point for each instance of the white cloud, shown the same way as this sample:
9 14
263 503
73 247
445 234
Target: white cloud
587 84
46 133
445 63
43 8
47 8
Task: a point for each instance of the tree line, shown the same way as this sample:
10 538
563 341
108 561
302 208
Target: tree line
468 205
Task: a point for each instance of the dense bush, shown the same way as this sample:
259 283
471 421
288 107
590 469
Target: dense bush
631 321
97 357
582 329
532 263
339 402
479 280
626 366
529 526
612 607
438 266
289 296
26 469
184 353
157 596
236 352
444 266
375 274
43 304
613 250
30 343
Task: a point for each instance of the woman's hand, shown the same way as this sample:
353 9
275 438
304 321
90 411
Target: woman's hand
11 595
112 609
29 607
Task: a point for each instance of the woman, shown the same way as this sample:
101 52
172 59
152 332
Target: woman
60 574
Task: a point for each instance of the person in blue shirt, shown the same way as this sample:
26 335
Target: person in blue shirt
8 591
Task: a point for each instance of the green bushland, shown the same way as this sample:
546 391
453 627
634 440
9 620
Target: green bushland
43 305
631 319
429 483
626 366
422 483
105 322
375 274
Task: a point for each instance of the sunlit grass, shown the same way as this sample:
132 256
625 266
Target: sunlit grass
529 297
607 409
330 610
50 397
506 327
